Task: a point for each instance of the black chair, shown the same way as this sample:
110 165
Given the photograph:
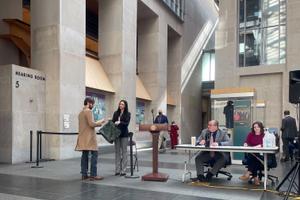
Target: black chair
272 163
134 154
225 173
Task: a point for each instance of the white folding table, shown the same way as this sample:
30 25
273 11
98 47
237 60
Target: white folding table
263 150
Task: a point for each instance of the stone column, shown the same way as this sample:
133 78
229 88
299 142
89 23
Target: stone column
152 60
225 45
58 49
173 76
117 39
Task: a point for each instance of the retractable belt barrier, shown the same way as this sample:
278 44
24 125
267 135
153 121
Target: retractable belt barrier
39 145
39 149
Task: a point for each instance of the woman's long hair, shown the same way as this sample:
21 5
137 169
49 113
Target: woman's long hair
260 125
125 109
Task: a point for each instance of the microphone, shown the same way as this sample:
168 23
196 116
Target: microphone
152 111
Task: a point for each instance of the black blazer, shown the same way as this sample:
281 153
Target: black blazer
289 127
124 122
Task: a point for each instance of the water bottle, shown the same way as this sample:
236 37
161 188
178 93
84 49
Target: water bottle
266 139
272 140
269 140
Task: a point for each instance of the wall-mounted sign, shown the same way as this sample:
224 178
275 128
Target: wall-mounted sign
66 121
31 76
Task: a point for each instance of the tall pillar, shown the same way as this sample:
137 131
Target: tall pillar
58 49
117 39
173 75
152 59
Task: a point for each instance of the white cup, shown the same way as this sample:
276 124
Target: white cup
193 140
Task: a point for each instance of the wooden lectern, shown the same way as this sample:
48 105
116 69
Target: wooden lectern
154 129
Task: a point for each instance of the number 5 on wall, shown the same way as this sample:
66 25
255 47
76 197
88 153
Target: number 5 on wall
17 84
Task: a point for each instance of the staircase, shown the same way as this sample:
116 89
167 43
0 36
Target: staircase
19 35
194 54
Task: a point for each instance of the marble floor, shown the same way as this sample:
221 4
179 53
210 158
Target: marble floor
61 180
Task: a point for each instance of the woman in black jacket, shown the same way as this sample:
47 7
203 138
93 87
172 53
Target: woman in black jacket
121 118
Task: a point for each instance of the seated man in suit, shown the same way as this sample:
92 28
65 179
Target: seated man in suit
212 136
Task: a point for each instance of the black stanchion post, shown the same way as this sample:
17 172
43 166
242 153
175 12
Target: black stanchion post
30 157
37 151
30 146
131 159
40 145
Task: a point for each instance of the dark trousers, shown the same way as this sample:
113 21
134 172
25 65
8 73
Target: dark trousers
286 142
254 165
85 163
205 157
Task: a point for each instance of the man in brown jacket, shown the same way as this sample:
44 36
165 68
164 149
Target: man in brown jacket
87 141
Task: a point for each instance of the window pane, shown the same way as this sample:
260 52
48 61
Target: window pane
253 13
270 13
212 67
271 45
282 12
205 66
262 37
241 50
242 13
282 44
140 112
99 106
252 45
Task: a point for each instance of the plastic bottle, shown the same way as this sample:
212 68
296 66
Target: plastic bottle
269 140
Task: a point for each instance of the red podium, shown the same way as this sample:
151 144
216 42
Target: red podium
154 129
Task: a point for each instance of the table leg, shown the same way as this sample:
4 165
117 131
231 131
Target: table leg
265 170
187 167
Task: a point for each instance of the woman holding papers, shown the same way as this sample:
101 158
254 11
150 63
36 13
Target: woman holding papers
254 161
121 118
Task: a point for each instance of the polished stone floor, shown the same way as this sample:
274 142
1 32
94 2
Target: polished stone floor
61 180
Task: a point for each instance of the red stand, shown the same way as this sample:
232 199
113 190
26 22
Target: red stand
154 130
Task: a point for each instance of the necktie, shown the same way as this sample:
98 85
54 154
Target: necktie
211 141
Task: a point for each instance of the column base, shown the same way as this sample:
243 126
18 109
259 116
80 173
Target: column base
155 177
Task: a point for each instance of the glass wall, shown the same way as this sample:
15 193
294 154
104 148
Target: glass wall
140 112
99 106
208 65
262 32
176 6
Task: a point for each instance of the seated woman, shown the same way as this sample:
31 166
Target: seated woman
254 139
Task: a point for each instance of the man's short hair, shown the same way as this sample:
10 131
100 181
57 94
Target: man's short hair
215 122
88 100
286 112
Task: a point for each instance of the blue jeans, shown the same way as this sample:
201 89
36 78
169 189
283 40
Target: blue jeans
85 163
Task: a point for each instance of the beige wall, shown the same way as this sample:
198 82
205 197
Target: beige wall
271 82
22 109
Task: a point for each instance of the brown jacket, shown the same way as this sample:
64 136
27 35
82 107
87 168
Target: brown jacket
87 137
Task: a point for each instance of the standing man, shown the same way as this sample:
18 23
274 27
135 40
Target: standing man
161 119
87 141
228 112
212 136
289 132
